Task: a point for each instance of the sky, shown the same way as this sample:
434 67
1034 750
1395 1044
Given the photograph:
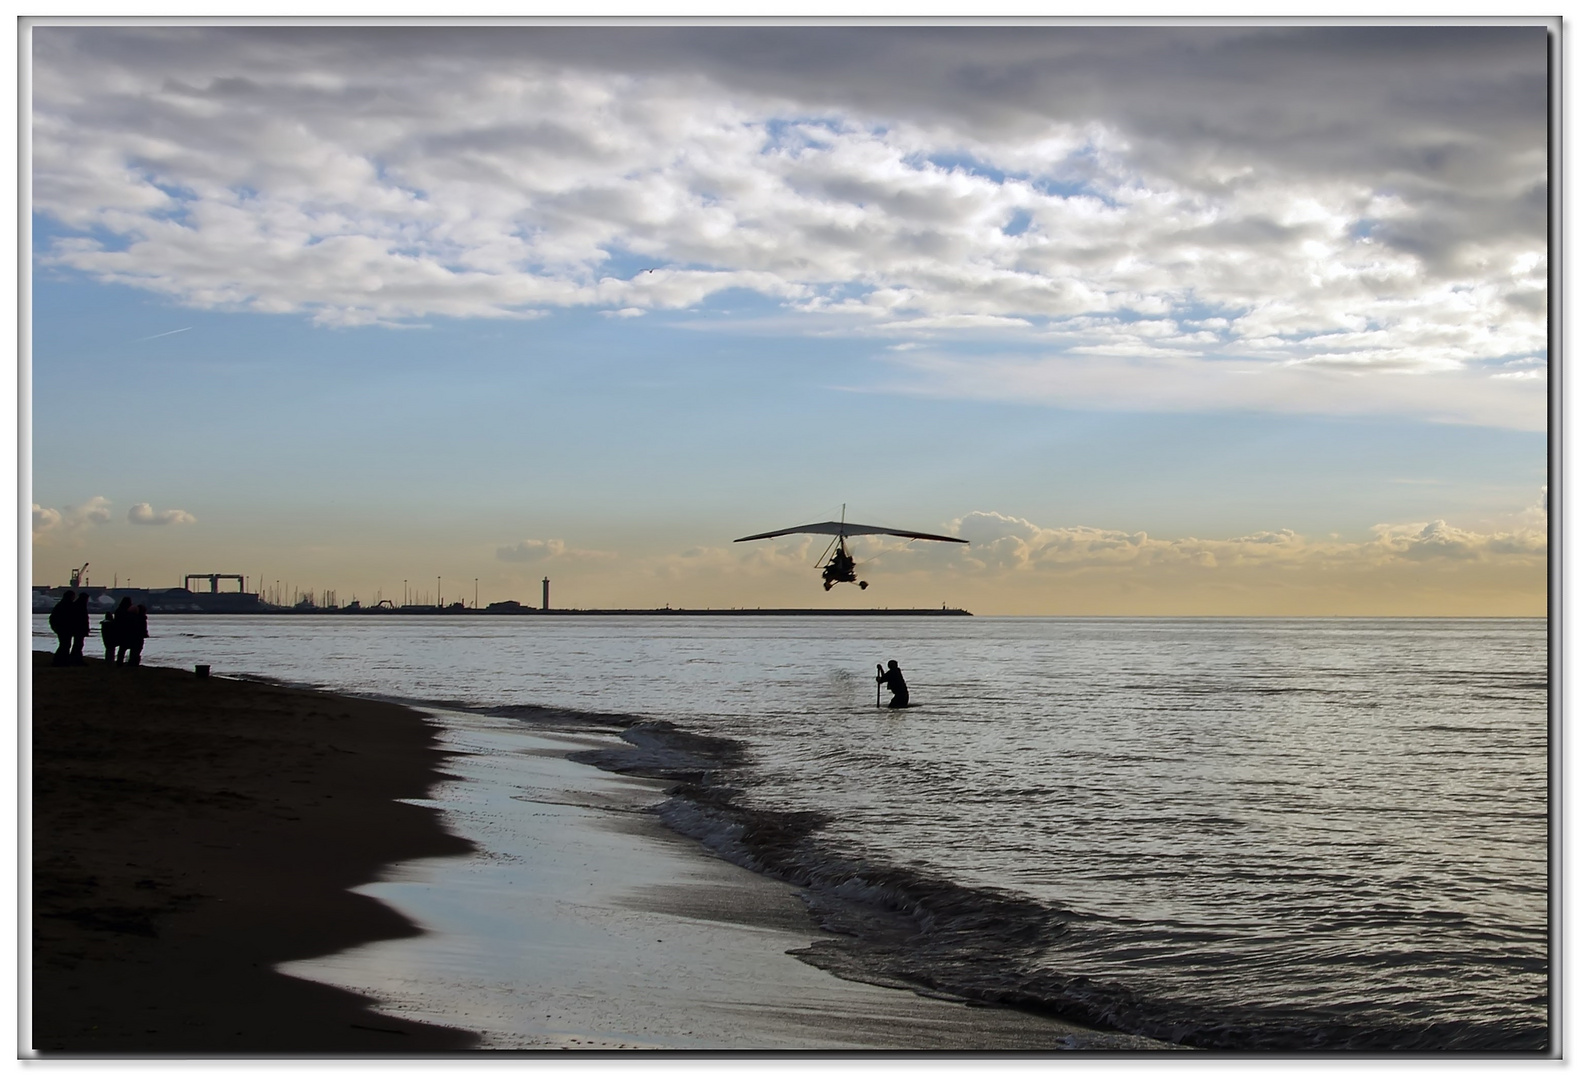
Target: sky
1198 320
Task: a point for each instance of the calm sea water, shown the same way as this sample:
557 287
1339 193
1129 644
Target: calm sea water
1242 833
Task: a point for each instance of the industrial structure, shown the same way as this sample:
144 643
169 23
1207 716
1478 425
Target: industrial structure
183 601
215 581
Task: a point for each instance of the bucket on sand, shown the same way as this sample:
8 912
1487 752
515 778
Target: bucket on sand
201 670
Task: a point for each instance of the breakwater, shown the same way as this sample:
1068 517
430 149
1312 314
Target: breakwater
555 612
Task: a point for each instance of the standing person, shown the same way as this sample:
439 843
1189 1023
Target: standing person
61 627
136 632
895 680
81 625
107 630
114 629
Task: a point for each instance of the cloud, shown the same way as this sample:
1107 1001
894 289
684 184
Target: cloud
1170 380
1361 200
95 511
1437 540
1014 565
144 514
70 523
1001 544
45 520
166 333
547 550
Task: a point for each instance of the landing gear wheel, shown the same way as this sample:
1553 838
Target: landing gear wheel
827 585
864 584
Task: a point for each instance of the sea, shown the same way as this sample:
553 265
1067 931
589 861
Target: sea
1275 835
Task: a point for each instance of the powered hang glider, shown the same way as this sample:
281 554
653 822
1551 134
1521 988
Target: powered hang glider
841 567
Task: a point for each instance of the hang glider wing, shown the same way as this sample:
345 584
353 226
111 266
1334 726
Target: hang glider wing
850 528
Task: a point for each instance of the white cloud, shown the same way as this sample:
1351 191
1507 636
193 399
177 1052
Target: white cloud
95 511
1110 193
49 523
1437 540
144 514
547 550
45 520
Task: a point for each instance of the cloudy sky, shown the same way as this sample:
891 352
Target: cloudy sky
1162 320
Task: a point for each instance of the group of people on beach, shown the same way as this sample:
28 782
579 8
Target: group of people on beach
121 631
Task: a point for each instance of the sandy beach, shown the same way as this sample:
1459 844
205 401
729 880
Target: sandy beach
223 868
188 834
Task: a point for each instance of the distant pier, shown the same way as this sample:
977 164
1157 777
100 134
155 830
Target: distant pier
742 611
185 602
522 610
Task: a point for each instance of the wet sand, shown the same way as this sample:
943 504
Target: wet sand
187 834
581 922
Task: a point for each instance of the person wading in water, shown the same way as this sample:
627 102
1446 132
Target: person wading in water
895 680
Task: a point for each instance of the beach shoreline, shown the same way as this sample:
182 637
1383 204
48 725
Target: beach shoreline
583 922
188 835
213 860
